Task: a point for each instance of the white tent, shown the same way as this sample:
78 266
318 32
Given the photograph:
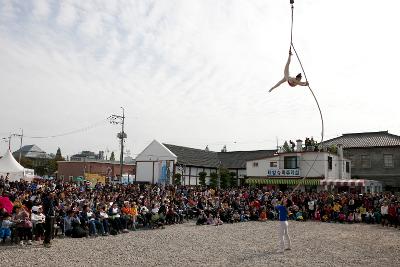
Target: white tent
8 164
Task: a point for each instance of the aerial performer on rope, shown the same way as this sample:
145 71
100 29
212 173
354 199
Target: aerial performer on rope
292 81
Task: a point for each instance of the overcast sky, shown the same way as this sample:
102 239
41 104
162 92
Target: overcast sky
194 72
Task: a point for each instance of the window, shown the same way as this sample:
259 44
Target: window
365 161
255 164
347 166
353 161
388 161
329 163
273 164
290 162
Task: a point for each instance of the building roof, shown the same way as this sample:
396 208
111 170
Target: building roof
194 157
203 158
366 139
31 151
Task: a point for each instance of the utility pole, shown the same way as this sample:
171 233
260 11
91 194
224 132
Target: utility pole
20 147
117 119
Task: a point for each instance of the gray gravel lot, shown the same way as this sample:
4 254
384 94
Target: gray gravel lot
242 244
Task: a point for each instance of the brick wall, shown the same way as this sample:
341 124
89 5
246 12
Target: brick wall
75 169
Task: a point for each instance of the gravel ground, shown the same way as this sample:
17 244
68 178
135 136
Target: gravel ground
242 244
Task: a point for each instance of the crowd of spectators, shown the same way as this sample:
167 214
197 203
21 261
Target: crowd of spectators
42 210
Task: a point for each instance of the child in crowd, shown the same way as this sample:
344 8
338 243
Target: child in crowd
218 220
5 231
350 218
210 219
341 217
38 219
263 215
357 216
369 217
317 215
236 216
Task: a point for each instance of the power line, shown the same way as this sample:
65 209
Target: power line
70 132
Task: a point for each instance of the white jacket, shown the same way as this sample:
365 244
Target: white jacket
38 218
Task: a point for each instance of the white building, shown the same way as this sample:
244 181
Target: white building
159 160
289 168
155 164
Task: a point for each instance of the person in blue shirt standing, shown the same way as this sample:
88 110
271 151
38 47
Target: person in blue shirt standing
283 226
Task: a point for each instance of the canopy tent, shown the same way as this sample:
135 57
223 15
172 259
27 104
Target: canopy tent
8 164
343 182
283 181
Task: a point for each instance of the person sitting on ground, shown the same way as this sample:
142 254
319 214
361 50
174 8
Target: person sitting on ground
236 216
202 219
263 215
350 217
217 220
5 230
291 80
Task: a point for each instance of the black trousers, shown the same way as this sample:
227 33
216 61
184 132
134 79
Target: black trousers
48 229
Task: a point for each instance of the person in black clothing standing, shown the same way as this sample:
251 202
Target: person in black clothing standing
49 212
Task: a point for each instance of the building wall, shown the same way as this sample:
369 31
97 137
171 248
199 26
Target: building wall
66 169
306 160
377 171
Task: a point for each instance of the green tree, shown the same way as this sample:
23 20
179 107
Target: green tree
286 147
224 177
234 179
112 157
52 165
177 179
202 178
213 180
58 156
26 163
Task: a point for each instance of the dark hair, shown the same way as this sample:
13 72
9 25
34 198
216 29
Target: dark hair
298 75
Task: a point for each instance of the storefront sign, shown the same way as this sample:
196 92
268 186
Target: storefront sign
284 172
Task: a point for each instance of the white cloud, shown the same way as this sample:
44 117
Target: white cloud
195 72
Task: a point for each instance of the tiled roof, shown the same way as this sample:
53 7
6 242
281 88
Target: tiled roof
31 151
194 157
232 160
367 139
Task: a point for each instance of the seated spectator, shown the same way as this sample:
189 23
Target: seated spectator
236 216
299 216
317 215
118 223
217 220
377 216
102 216
38 220
23 225
210 219
357 216
369 217
350 218
341 217
88 218
5 230
263 215
202 219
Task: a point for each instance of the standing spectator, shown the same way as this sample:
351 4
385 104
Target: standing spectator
49 212
384 213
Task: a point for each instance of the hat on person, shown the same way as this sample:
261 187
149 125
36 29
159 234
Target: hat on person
35 208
